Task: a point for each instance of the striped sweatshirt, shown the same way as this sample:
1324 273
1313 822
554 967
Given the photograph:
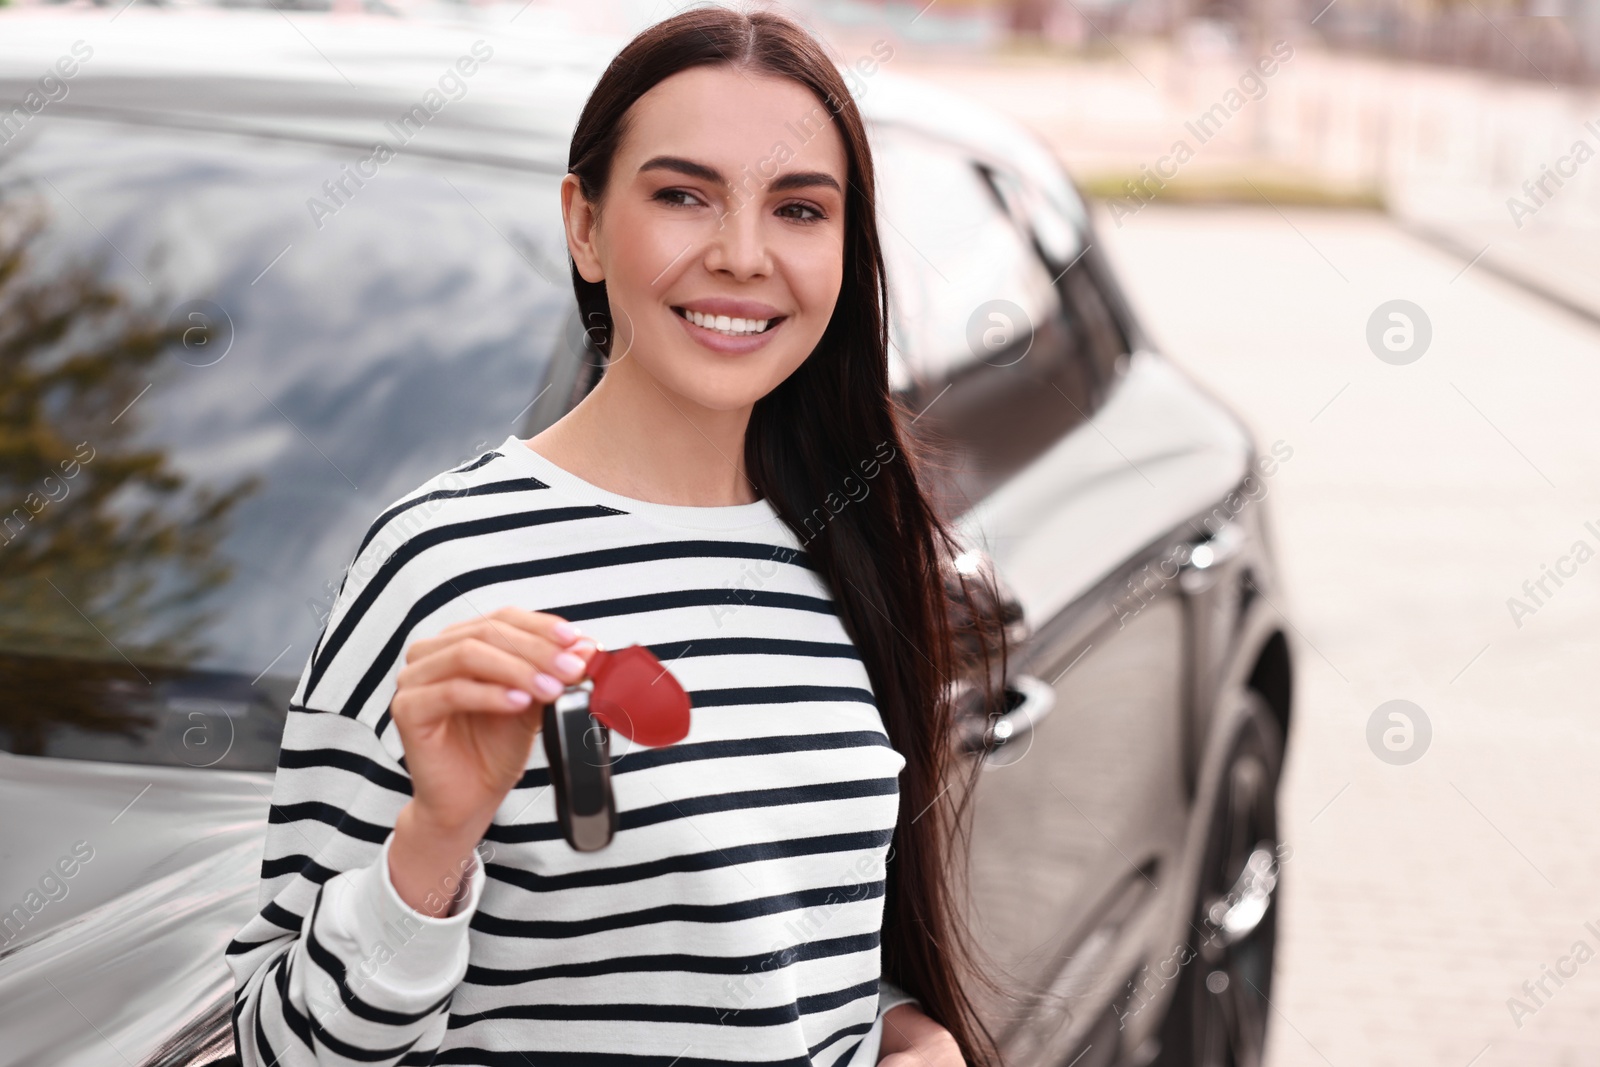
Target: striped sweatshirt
736 915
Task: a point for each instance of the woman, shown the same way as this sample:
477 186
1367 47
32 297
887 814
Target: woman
735 493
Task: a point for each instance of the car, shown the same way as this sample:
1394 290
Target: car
235 331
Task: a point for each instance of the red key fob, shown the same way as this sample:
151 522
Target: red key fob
638 697
628 691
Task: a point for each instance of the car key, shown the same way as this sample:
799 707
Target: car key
628 691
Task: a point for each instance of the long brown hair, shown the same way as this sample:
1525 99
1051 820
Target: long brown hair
886 555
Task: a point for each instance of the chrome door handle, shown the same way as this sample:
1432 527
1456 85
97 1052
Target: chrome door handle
1034 700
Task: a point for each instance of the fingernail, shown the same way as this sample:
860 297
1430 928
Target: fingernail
517 698
586 645
567 663
548 686
565 631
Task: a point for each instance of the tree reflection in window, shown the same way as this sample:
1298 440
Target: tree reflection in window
99 537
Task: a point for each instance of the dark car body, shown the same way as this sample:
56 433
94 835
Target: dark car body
234 335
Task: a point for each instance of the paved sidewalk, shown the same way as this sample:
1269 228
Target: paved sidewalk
1560 263
1419 499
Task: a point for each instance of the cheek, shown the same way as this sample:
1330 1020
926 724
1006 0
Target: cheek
644 262
816 277
641 254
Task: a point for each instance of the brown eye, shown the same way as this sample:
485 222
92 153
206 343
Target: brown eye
665 196
817 213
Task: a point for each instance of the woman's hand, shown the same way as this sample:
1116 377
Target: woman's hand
468 704
912 1039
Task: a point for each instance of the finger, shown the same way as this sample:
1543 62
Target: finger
478 660
518 633
539 652
554 658
551 627
501 632
429 704
506 625
505 612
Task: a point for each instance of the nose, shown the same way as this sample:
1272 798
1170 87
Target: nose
739 245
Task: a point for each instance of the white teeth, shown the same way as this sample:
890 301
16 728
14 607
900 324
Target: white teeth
724 324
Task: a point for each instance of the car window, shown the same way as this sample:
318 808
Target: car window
1102 334
1001 362
949 251
1057 239
1078 270
224 357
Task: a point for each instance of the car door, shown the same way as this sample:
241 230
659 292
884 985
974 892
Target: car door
210 442
1079 822
1063 449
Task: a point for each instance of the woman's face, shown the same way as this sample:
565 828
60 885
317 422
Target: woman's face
726 197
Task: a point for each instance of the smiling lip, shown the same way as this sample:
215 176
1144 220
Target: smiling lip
728 344
734 309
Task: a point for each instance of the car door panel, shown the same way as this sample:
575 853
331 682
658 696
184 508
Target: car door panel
1076 823
1157 452
1079 475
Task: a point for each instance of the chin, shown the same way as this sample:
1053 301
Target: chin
734 398
723 384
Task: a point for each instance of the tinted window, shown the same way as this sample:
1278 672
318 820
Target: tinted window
185 483
1079 272
1001 363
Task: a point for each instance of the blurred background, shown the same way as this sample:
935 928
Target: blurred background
1274 180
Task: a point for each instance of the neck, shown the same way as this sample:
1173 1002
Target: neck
633 436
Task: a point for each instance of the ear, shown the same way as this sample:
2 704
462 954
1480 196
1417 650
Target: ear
577 216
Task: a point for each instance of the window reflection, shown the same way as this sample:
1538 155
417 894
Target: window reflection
1000 361
219 492
950 251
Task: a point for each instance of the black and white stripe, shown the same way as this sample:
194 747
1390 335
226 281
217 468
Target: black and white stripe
735 917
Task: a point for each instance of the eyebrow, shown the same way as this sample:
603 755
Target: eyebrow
802 179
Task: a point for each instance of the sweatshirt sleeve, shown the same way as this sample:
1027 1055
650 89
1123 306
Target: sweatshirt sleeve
889 996
892 996
335 968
